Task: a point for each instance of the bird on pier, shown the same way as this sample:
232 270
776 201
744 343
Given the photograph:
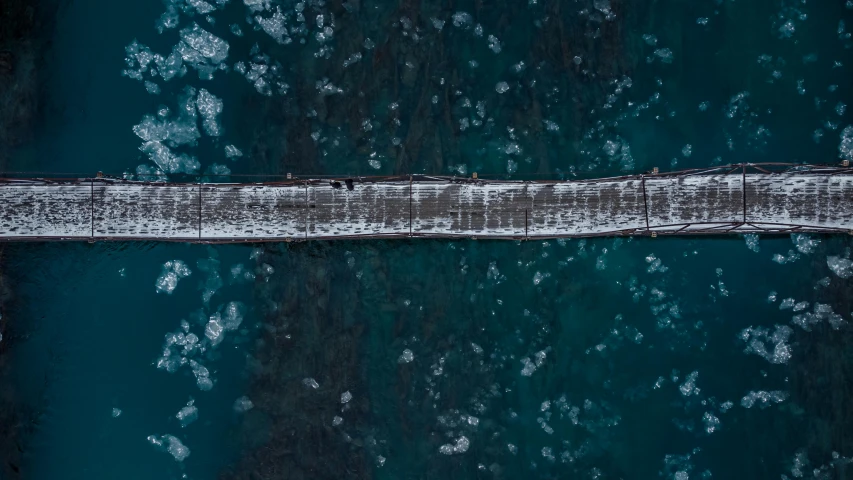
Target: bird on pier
335 184
349 184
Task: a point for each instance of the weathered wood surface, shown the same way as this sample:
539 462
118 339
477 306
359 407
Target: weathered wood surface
99 209
587 208
46 211
145 211
252 211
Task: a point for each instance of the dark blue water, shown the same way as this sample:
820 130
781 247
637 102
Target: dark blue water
603 358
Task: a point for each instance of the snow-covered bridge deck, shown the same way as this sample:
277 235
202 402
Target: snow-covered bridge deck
732 199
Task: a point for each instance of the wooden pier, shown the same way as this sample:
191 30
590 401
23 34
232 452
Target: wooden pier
753 198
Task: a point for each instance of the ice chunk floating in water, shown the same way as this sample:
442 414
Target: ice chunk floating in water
805 243
164 132
461 446
773 347
173 271
763 399
187 414
232 152
752 241
843 267
845 148
171 444
406 357
311 383
209 107
202 50
243 404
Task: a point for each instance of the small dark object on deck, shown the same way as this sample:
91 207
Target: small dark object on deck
335 184
349 184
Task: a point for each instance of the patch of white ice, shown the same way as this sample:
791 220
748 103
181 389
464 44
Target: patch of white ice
243 404
173 271
171 444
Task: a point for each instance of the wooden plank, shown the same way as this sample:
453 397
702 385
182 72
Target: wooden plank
453 209
698 200
586 208
49 211
816 201
163 211
249 212
368 209
434 208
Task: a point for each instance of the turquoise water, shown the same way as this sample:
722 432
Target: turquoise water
604 358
